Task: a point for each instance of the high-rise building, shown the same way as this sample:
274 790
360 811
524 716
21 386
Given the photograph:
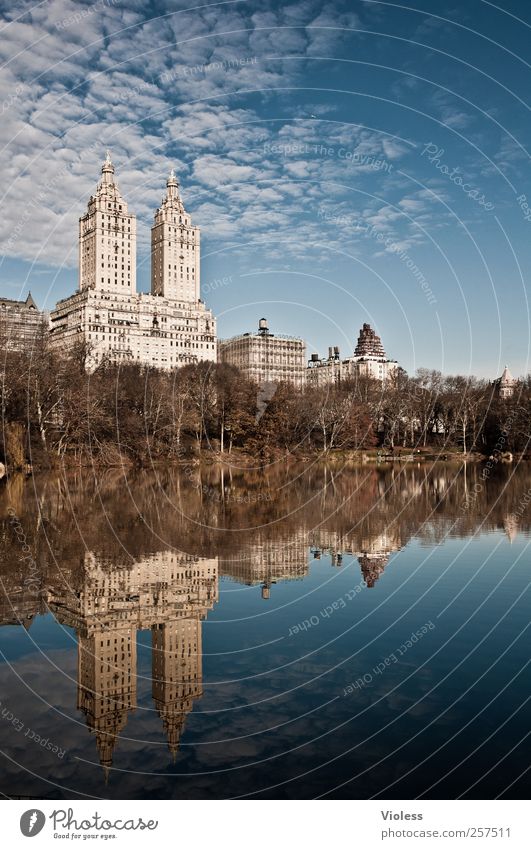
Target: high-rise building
21 323
265 357
175 249
165 329
107 239
369 360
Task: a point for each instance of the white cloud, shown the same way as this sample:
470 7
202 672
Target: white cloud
171 91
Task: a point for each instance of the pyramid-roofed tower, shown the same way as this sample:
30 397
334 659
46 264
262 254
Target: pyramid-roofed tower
505 384
369 344
369 360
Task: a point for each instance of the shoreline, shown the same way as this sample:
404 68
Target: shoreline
242 460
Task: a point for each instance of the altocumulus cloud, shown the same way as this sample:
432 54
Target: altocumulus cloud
78 77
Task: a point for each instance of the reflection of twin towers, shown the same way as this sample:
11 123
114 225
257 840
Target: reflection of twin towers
166 592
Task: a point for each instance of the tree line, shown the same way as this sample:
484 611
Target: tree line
53 409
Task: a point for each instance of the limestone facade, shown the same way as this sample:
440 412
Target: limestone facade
167 592
167 328
21 322
265 357
369 360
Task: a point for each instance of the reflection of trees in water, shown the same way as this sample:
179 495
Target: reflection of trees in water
116 555
218 512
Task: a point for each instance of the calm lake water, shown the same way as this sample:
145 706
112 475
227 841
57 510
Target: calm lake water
289 633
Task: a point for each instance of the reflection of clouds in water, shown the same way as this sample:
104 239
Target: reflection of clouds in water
269 708
50 716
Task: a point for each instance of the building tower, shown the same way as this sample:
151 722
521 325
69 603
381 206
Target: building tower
165 329
176 673
505 385
107 239
107 684
369 360
372 566
369 344
175 250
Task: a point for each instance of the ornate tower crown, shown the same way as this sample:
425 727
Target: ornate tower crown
107 169
369 344
172 185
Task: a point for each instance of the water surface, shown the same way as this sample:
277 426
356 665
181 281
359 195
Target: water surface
288 633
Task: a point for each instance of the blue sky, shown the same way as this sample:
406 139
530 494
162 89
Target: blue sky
346 162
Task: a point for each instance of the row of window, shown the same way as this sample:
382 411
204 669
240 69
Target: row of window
112 338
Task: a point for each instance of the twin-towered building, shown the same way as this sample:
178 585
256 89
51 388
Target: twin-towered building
167 328
168 593
170 326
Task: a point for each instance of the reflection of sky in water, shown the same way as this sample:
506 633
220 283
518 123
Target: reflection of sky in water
280 707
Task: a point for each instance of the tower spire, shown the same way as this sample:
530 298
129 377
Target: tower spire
107 169
172 185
